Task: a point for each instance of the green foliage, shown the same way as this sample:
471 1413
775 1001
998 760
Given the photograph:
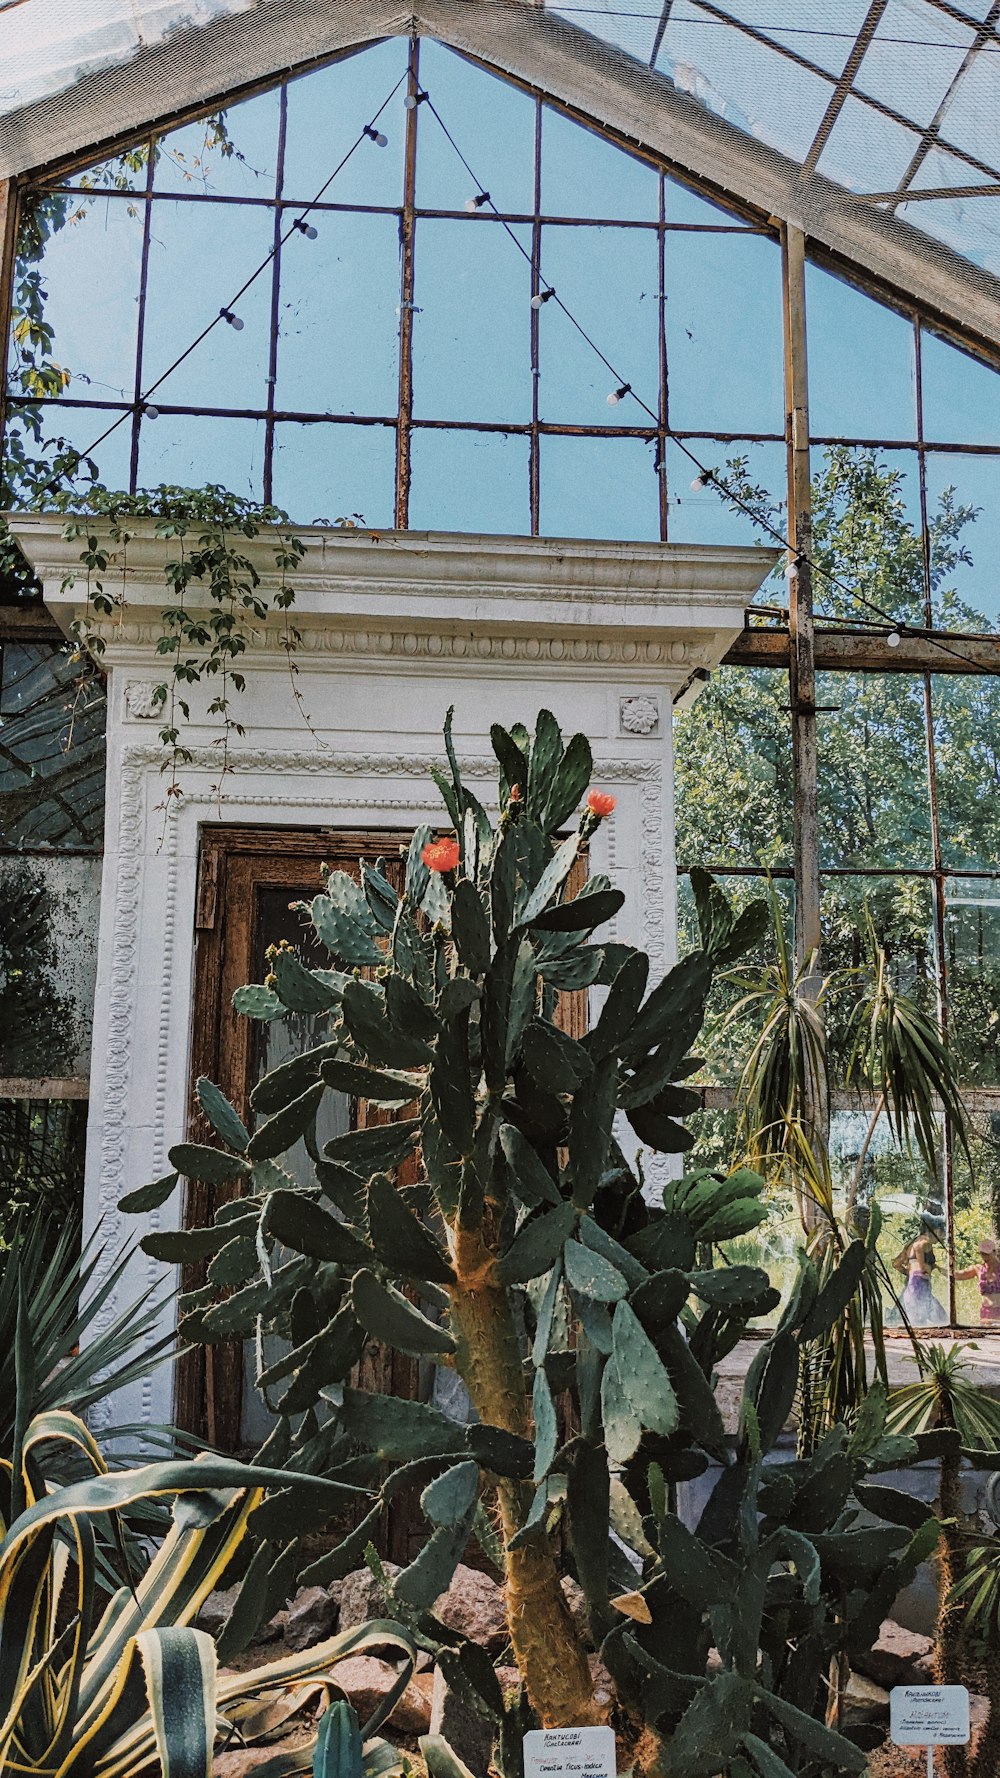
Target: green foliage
529 1211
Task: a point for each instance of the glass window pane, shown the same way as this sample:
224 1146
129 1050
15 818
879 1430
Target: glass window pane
78 427
608 278
338 349
90 271
960 394
733 771
874 799
977 1225
469 481
226 242
583 175
867 151
326 473
684 205
48 964
53 710
598 487
702 514
867 543
466 96
912 1243
725 351
232 154
327 111
122 172
963 513
42 1148
972 950
188 451
861 363
967 748
471 332
747 82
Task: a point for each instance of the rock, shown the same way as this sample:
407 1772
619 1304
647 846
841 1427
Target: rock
311 1616
899 1657
244 1762
576 1599
603 1684
473 1605
864 1701
367 1680
469 1732
216 1610
362 1598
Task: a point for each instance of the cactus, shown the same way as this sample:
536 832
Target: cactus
530 1215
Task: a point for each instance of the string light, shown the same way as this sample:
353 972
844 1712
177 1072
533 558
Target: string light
619 394
893 639
380 140
476 203
412 100
702 480
235 321
304 228
542 296
148 412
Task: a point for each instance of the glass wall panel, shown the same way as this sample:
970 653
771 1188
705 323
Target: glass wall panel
967 749
868 550
189 451
977 1224
233 154
52 761
861 363
608 278
725 354
960 394
598 487
963 520
583 175
874 800
91 269
972 954
898 914
494 126
327 111
324 473
701 513
226 242
42 1148
48 964
733 772
689 209
338 318
78 428
469 481
471 329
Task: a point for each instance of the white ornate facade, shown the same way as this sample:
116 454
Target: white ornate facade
394 628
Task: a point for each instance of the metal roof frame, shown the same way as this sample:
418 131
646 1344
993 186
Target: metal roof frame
590 77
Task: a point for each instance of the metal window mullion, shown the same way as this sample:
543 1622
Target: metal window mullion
407 245
272 348
147 227
534 448
663 399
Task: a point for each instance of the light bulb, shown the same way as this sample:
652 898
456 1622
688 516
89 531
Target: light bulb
476 203
619 394
893 639
235 321
542 296
377 137
149 412
304 228
412 100
700 481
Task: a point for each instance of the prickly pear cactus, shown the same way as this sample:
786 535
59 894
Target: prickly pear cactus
528 1261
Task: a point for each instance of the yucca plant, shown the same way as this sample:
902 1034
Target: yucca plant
584 1308
134 1691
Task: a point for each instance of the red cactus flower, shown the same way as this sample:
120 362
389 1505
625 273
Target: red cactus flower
514 795
441 855
601 802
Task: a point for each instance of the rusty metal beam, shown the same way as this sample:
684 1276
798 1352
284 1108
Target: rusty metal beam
863 651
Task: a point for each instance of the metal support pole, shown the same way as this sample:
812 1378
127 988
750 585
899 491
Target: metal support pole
8 214
801 653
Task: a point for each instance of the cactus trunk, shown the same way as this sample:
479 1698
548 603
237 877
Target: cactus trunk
550 1657
950 1666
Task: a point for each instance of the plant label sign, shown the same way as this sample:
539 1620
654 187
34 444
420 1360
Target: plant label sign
569 1753
928 1715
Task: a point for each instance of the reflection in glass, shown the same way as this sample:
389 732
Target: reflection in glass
583 175
471 329
967 747
733 766
338 347
861 363
493 125
52 764
874 799
469 481
725 350
598 487
327 111
325 473
233 154
226 243
609 280
189 451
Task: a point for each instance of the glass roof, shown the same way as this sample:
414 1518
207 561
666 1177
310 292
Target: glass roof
895 101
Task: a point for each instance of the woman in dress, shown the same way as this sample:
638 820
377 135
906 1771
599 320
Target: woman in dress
920 1305
988 1273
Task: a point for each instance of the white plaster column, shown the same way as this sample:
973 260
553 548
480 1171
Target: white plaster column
395 627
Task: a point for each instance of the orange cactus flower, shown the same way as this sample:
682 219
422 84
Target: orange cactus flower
601 802
441 855
514 795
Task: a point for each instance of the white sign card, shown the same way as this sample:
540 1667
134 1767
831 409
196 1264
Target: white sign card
928 1715
569 1753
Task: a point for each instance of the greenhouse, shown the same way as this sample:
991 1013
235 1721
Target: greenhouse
499 887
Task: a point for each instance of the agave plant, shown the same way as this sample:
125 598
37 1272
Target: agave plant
135 1692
